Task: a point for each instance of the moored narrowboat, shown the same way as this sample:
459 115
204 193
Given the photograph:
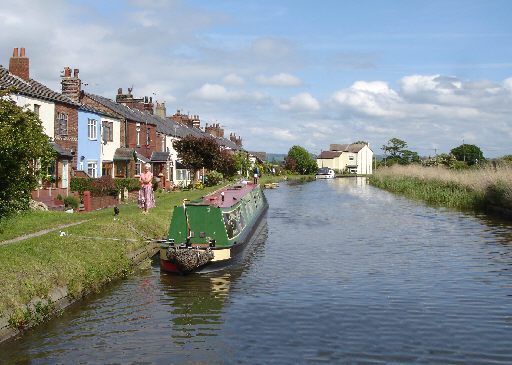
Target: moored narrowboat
210 233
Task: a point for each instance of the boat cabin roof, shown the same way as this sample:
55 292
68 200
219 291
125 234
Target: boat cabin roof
232 194
324 170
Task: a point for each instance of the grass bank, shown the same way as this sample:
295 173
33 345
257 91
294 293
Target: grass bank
478 189
75 258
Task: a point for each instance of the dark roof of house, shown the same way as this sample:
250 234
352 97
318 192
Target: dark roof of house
173 128
92 109
123 154
61 152
142 157
328 155
120 109
261 156
157 156
354 148
32 88
228 143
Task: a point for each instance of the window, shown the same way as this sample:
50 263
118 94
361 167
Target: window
106 169
137 168
138 134
147 136
36 109
92 168
62 124
163 143
91 129
120 169
351 158
107 131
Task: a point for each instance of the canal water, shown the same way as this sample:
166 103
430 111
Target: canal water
341 273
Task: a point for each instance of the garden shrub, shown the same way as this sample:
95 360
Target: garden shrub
80 184
213 178
102 186
71 201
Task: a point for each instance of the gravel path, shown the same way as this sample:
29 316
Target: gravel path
40 233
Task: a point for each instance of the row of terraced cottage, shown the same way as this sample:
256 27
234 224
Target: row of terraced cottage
95 136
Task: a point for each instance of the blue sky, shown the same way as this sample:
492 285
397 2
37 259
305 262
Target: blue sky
284 73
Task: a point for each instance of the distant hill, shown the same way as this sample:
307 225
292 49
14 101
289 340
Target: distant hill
277 157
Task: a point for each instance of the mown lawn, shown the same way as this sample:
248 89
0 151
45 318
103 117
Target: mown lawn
33 267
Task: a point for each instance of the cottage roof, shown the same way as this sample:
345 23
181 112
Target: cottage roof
32 88
120 109
261 156
354 148
61 152
224 142
158 156
123 154
329 155
90 108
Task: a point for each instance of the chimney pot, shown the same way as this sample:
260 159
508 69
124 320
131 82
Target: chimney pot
75 71
19 66
120 91
22 52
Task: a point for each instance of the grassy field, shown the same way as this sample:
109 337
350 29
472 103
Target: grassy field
71 256
32 267
466 189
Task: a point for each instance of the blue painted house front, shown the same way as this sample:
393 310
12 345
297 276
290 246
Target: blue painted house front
89 141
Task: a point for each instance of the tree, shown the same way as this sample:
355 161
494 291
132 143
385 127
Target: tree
469 153
398 152
25 153
394 148
225 163
290 164
409 156
361 142
196 153
242 162
304 163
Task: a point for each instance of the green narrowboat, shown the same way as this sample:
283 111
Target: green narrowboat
210 233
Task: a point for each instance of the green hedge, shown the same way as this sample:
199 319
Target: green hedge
104 185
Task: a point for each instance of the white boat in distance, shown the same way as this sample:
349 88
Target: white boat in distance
325 173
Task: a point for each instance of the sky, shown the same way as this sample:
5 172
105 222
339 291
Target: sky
280 73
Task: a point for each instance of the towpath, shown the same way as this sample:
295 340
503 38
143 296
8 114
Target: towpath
40 233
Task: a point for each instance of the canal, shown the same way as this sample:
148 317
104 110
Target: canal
341 273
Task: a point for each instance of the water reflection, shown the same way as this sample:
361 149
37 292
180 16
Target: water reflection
197 301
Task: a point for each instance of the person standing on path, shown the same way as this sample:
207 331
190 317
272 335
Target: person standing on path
146 197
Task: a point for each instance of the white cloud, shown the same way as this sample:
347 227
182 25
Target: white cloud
303 102
279 134
233 80
368 98
279 80
213 92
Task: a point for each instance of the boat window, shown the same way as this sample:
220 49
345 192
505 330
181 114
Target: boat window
234 222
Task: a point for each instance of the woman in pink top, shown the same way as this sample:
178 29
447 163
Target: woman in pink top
146 197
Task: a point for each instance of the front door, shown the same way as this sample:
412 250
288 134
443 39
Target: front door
64 173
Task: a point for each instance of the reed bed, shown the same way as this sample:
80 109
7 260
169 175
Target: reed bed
478 188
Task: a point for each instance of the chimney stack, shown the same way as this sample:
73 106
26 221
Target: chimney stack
19 65
71 85
160 110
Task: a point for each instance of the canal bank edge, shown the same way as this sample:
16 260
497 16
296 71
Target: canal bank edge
59 298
